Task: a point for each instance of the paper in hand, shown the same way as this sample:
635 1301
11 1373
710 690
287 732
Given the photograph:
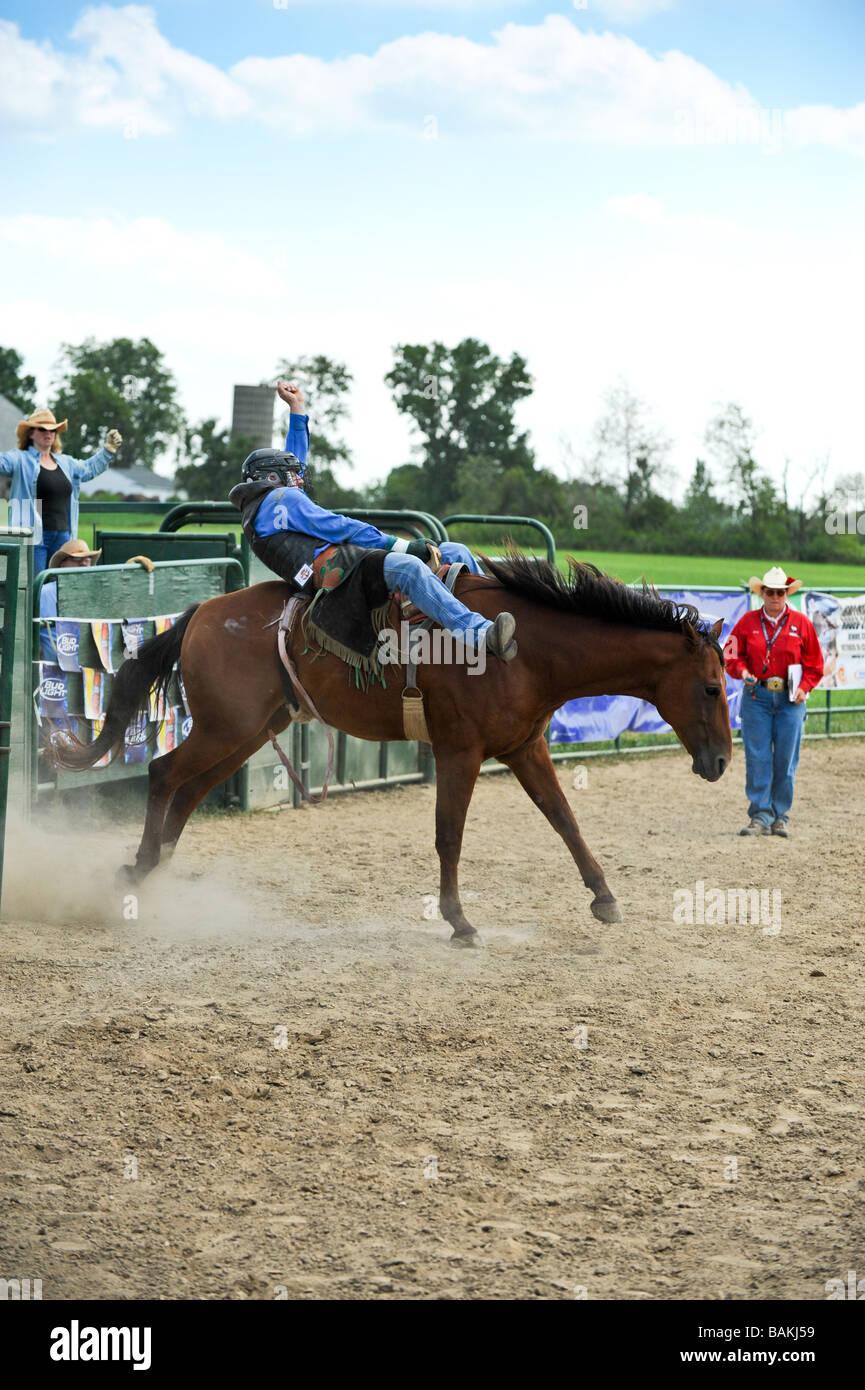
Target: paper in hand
794 677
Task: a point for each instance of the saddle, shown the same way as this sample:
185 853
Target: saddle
300 705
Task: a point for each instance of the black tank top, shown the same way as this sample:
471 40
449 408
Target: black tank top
53 490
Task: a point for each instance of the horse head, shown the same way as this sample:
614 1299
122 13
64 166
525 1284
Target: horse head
691 695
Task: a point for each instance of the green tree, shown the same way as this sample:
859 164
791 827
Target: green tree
14 385
761 515
122 384
215 459
628 447
461 401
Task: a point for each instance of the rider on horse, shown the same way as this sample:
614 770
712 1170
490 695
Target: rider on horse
310 547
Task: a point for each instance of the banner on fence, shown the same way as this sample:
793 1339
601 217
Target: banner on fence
839 621
75 682
597 717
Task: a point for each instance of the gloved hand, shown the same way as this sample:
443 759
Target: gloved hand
427 551
113 441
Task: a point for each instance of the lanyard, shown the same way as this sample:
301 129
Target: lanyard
770 641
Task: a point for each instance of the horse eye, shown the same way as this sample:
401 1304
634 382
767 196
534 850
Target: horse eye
713 692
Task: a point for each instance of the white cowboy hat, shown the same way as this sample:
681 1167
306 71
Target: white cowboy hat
775 578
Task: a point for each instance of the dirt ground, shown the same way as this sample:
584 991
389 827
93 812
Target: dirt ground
279 1081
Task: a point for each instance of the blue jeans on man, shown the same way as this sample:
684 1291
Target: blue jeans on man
410 576
772 735
50 544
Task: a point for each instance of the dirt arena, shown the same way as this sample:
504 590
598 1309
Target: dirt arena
280 1082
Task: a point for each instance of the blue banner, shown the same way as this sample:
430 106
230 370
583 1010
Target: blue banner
598 717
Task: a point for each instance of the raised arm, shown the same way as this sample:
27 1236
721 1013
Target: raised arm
297 439
85 469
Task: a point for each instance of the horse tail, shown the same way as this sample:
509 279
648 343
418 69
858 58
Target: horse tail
149 669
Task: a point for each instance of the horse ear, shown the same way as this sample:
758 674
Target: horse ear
716 629
690 632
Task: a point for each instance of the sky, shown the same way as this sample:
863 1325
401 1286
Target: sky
665 191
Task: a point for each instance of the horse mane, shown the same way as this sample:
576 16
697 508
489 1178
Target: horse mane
589 593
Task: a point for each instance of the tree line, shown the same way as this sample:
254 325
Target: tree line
469 454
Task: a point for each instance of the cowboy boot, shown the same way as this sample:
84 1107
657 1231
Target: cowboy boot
500 637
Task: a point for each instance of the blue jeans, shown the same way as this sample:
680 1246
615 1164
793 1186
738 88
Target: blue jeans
51 543
772 735
453 553
413 577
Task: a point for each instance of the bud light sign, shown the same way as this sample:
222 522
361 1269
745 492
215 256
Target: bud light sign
136 742
133 635
67 637
53 703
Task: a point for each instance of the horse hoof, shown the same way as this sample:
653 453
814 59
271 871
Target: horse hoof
467 941
606 910
126 874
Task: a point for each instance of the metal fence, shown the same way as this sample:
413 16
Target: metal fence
359 764
10 554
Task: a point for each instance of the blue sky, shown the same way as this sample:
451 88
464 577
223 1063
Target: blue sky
669 190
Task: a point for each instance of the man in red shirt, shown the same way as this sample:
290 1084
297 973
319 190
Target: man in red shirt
761 649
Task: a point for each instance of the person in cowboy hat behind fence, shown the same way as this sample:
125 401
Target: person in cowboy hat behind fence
761 650
310 547
46 482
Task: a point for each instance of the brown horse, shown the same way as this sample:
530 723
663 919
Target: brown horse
585 635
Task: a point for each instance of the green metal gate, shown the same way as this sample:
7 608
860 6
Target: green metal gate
10 555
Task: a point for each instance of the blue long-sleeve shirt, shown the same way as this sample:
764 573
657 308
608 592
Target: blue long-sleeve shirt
23 465
289 508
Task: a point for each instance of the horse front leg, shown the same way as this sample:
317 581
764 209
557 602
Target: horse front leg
534 768
456 774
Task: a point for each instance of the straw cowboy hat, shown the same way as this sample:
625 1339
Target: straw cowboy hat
774 579
39 420
77 549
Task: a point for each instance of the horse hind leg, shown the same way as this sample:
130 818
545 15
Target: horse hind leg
195 755
193 792
534 768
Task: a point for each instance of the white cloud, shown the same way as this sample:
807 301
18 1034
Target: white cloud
624 11
130 78
826 125
134 252
402 4
640 207
550 79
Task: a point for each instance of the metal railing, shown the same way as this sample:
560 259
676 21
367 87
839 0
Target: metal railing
9 605
478 519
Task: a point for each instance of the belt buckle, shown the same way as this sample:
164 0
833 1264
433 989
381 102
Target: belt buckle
774 683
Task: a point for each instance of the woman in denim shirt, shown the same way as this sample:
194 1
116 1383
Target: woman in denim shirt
46 483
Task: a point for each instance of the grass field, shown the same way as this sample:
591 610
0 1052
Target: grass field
711 569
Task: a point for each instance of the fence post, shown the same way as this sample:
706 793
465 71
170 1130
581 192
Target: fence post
8 636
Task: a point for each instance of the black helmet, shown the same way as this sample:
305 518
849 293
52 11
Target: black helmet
271 466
